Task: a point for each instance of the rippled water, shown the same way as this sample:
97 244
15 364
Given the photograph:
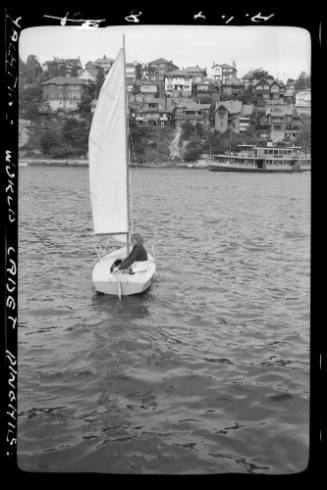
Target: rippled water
207 372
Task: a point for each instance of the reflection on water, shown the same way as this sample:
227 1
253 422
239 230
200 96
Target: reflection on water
208 371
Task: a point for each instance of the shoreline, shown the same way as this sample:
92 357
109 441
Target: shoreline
34 162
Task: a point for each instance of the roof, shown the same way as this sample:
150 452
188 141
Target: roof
152 100
65 81
159 61
305 91
195 68
194 107
224 65
247 109
176 73
104 60
69 60
181 101
232 106
233 81
160 108
63 60
269 81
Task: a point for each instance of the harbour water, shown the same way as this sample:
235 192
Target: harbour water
208 371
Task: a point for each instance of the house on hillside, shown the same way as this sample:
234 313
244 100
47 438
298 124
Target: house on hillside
279 122
303 101
147 87
245 117
269 90
204 92
64 66
157 69
152 112
178 83
63 93
198 74
105 63
220 73
140 98
192 112
202 87
232 87
232 115
90 66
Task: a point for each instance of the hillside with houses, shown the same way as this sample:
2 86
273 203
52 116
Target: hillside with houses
175 113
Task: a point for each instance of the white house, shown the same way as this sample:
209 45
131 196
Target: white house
221 73
303 101
178 83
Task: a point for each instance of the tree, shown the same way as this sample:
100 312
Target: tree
193 149
259 73
75 135
74 71
136 88
33 71
303 81
187 130
54 69
29 101
199 129
99 81
87 96
51 142
303 137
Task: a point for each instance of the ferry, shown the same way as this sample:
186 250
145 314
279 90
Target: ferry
262 159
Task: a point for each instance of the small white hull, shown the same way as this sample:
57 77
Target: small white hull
119 284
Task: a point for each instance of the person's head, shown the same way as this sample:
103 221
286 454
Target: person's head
137 238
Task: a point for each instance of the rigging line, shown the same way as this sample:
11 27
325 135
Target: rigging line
132 220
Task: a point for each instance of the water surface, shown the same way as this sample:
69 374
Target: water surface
207 372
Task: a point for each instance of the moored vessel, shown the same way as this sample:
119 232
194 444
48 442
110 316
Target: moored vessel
262 159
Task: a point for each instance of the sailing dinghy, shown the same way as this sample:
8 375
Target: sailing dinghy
110 188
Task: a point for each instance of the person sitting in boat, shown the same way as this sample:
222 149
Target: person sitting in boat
136 260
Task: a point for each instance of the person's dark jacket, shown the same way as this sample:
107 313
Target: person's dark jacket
138 254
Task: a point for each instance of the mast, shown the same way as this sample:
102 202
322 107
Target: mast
127 145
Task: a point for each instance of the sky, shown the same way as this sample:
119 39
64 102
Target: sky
283 51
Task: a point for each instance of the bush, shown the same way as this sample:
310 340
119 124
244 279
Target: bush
193 150
53 144
75 134
187 130
49 141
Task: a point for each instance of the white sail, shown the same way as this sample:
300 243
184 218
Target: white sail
108 155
